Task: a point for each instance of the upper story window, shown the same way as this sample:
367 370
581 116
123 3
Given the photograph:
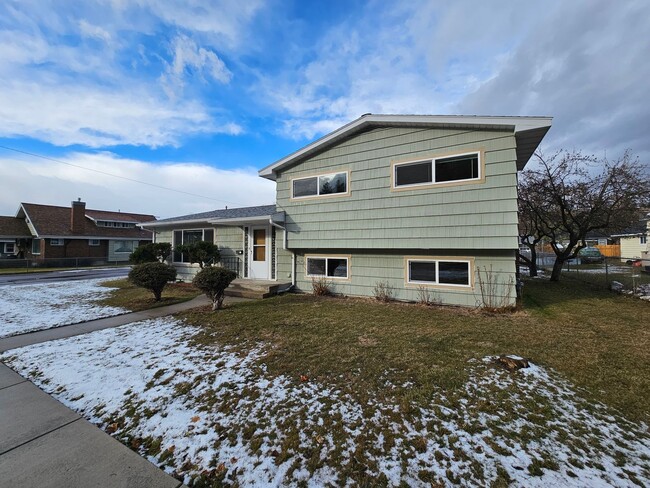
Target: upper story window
110 223
321 185
456 168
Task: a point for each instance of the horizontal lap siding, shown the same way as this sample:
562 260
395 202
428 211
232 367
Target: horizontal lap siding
366 269
470 216
283 272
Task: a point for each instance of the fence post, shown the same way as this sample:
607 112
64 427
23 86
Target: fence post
606 273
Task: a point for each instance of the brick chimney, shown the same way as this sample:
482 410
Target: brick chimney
78 217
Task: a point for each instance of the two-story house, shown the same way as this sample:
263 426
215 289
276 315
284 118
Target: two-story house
414 202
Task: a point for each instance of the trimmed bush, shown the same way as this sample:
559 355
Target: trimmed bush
153 277
213 281
201 252
151 253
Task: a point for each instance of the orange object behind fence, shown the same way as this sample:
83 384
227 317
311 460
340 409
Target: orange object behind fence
611 251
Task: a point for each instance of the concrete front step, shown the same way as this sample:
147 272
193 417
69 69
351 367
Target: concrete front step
253 289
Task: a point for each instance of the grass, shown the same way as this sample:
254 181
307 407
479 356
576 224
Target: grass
129 296
598 340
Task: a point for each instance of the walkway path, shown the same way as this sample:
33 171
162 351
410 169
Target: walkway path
43 443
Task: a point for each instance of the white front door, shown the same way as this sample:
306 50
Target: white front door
259 253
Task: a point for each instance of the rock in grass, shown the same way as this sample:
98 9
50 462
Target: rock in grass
512 363
616 286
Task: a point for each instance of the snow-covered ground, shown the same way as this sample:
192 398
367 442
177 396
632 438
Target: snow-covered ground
26 308
207 411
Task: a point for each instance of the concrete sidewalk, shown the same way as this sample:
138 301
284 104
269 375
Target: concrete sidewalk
92 325
43 443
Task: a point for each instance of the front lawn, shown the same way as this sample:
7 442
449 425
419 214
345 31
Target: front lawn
126 295
38 306
300 390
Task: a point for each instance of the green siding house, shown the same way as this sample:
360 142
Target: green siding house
423 204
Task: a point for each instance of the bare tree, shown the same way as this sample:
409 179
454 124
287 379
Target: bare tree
569 194
529 231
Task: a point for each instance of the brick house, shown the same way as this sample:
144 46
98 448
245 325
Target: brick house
43 232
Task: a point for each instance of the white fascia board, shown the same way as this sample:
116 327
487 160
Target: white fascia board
235 220
175 222
516 124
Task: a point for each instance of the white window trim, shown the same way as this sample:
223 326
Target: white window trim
438 261
124 252
202 229
327 195
326 257
59 242
39 247
432 161
13 247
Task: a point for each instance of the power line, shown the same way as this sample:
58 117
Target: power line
116 176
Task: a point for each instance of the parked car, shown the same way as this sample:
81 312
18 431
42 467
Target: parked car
590 255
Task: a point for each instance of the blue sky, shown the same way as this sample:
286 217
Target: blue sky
198 95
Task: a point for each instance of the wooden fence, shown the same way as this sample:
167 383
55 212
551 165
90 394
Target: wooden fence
611 251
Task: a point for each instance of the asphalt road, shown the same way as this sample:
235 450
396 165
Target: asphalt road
74 274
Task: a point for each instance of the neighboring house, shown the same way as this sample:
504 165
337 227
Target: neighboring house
416 202
45 232
12 230
634 240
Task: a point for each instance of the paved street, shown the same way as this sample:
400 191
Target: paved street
75 274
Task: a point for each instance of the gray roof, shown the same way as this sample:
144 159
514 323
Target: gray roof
226 213
529 132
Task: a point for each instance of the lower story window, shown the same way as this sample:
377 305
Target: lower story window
9 247
187 237
36 246
439 272
327 266
56 242
93 242
124 246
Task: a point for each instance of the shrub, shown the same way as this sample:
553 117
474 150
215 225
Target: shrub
151 253
383 291
152 276
495 295
213 281
426 296
201 252
321 287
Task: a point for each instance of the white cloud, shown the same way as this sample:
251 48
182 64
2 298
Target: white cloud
57 184
188 57
587 66
98 116
76 77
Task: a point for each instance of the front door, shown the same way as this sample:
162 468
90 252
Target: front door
259 253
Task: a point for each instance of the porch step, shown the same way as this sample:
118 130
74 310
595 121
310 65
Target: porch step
253 289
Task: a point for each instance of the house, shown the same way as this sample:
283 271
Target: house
418 203
634 240
47 232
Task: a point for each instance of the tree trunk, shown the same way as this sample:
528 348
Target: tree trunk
557 268
532 266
